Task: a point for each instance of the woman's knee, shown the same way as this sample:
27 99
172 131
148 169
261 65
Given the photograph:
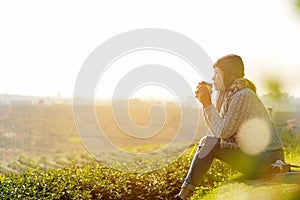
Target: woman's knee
207 140
208 143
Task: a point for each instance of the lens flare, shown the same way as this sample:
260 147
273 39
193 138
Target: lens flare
111 135
254 136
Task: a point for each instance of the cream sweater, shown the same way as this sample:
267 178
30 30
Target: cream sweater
243 107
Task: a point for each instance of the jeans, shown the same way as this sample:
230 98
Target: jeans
250 165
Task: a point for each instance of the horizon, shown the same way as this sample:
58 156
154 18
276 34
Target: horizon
148 98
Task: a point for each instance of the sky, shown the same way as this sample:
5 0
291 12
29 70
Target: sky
43 44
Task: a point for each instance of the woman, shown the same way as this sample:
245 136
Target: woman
240 130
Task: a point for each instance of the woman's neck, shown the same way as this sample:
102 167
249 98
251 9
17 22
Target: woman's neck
227 84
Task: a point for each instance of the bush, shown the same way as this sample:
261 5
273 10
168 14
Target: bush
97 181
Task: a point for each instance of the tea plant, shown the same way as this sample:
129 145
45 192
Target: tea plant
97 181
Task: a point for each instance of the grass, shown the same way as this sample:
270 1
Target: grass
243 191
240 189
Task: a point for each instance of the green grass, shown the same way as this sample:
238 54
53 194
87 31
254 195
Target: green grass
243 191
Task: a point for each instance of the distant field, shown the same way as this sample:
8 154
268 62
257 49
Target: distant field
47 134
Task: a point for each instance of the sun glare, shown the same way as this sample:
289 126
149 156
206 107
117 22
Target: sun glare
254 136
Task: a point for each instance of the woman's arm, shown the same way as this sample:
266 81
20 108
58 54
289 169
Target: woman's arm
240 108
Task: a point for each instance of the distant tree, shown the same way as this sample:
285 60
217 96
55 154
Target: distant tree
276 99
298 3
274 86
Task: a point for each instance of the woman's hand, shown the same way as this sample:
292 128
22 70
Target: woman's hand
203 94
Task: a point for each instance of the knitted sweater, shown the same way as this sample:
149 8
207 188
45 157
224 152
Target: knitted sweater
243 107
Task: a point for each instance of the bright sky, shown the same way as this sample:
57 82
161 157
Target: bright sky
44 43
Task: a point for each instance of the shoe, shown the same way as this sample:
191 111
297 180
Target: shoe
177 197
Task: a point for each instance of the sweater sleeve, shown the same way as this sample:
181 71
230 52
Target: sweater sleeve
238 111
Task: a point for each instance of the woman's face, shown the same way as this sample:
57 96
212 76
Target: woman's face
218 79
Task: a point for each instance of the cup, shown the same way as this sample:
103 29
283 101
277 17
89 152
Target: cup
208 85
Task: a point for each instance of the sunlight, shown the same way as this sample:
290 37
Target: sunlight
237 191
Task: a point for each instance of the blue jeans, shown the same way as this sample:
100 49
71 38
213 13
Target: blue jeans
252 166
